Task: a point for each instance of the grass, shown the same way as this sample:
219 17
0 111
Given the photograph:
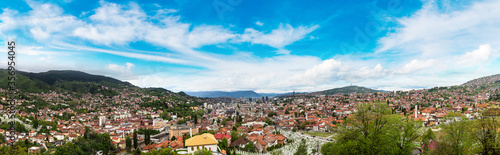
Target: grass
319 134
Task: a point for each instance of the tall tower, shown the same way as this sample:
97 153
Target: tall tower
416 111
102 120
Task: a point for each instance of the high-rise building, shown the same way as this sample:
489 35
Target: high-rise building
102 120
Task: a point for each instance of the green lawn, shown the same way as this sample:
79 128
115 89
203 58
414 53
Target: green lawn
319 134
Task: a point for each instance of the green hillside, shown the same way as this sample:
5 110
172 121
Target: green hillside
71 81
347 90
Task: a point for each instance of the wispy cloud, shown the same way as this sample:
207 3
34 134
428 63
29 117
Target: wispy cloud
278 38
258 23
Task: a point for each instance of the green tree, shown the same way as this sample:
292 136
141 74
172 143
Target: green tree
249 147
128 143
181 121
137 152
87 132
173 138
427 138
202 152
235 135
485 133
456 139
147 137
166 151
224 122
373 129
135 140
35 122
2 139
224 144
302 149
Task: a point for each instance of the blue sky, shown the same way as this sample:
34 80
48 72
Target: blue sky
265 46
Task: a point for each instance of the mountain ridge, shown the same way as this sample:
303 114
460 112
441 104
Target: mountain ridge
346 90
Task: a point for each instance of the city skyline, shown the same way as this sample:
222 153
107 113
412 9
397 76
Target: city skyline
268 47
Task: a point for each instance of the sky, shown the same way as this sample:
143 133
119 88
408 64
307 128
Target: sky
266 46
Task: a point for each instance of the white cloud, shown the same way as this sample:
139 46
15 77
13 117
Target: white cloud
477 56
124 70
365 73
436 33
47 21
207 35
327 70
114 24
8 19
277 38
259 23
416 65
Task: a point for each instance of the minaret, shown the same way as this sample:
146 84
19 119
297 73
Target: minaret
416 111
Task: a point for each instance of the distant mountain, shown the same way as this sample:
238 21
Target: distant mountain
347 90
236 94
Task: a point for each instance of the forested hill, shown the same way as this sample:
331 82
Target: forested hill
346 90
72 81
492 80
50 77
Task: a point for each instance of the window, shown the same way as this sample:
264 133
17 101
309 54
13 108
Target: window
192 148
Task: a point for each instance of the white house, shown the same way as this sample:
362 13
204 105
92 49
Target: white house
205 141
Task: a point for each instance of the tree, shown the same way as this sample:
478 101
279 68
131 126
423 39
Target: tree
427 138
223 144
202 152
456 139
406 130
235 135
373 129
128 143
137 152
485 133
195 119
181 121
166 151
173 138
224 122
147 137
302 149
35 122
87 132
98 142
135 140
249 147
